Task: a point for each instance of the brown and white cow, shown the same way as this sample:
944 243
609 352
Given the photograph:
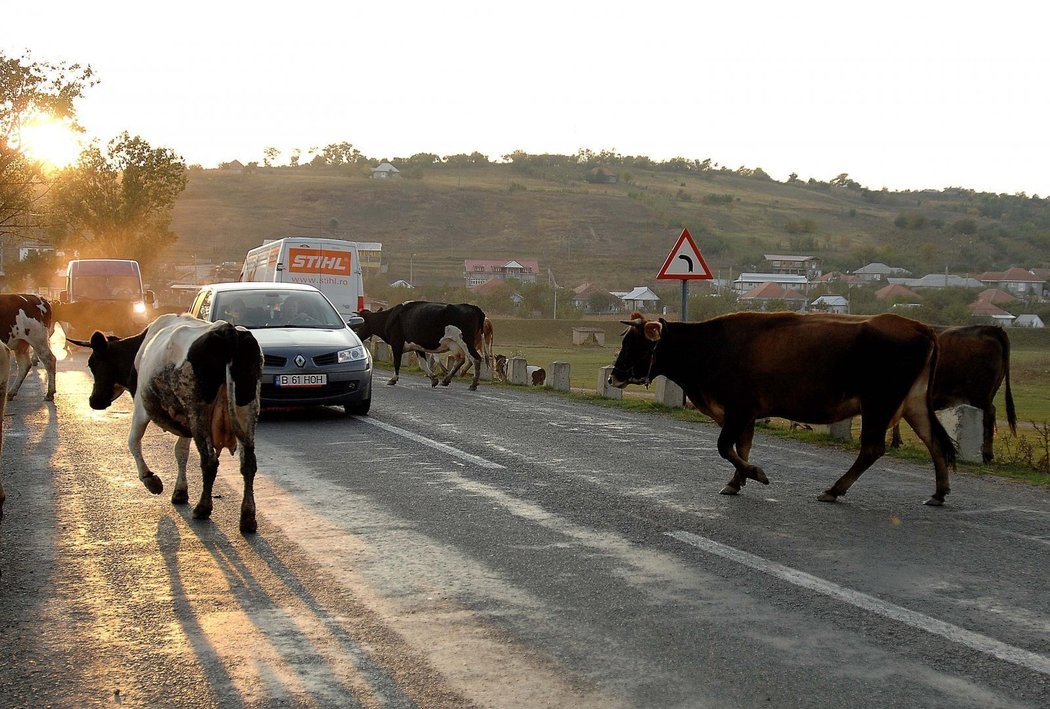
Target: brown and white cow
26 322
973 363
195 379
482 343
5 375
813 368
427 328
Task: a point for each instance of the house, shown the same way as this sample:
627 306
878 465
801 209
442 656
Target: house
848 279
762 295
602 174
808 266
748 281
384 171
641 299
1016 281
496 287
830 304
981 310
478 271
401 283
370 255
995 296
877 272
895 291
1028 320
583 297
938 280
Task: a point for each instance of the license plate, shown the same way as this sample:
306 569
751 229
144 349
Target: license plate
300 380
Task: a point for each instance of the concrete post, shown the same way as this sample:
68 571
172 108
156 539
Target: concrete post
841 430
558 376
965 424
606 390
668 393
517 371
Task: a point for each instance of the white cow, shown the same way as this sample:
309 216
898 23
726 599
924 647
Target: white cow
26 322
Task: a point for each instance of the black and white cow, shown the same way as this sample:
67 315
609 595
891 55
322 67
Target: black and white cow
26 322
422 327
192 378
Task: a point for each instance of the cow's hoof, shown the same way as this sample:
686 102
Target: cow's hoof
153 484
50 397
391 382
827 497
248 525
934 502
473 387
445 382
180 497
729 490
760 476
201 512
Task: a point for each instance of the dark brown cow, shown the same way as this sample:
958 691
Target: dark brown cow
973 363
26 322
811 368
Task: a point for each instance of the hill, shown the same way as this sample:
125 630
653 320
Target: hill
615 234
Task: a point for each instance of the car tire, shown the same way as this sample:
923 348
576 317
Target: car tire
359 408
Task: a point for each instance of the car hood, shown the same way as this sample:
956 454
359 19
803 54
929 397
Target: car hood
283 337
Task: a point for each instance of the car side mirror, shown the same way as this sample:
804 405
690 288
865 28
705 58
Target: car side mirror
355 321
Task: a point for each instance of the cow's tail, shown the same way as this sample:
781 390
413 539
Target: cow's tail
1011 413
944 441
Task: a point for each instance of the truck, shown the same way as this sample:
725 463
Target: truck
104 294
333 266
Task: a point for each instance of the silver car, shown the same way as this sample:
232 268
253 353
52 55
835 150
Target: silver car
312 357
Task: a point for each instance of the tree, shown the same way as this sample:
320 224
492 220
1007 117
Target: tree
27 89
118 203
270 156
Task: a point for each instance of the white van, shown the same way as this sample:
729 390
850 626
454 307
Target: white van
330 265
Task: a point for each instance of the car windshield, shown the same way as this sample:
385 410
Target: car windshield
276 308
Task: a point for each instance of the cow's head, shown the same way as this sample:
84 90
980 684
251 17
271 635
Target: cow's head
111 365
369 325
634 363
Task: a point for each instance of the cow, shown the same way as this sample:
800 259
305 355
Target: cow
26 322
5 376
973 362
423 327
499 368
195 379
482 343
813 368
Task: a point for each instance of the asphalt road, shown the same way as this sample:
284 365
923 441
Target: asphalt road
505 548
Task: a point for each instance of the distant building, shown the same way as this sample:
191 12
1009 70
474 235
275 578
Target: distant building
641 299
762 295
1016 281
875 272
478 271
808 266
384 171
830 304
897 291
996 296
371 255
938 280
584 295
1028 320
981 310
747 281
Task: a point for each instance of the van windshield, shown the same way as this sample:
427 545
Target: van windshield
107 287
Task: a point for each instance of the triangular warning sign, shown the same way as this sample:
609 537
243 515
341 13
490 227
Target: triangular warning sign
685 262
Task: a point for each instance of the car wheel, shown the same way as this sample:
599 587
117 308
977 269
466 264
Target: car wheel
359 408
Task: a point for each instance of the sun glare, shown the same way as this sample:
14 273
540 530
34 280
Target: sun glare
50 141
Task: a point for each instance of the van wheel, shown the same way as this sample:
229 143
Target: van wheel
358 409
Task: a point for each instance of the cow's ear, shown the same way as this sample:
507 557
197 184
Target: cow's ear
653 330
98 341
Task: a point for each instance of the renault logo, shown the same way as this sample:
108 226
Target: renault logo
300 360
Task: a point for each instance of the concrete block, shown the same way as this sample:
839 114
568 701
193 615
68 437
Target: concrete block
558 376
841 430
965 424
668 393
518 371
606 390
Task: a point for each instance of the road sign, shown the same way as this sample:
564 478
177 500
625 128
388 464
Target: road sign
685 262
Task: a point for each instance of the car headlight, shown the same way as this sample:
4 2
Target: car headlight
139 308
353 354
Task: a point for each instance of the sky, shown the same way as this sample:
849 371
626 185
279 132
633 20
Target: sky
898 95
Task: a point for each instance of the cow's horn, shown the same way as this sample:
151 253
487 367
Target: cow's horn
78 343
637 322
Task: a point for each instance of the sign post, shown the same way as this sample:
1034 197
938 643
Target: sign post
686 264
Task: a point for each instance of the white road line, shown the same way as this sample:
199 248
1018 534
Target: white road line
443 447
954 633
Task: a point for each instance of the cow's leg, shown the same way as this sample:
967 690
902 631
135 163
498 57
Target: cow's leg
987 451
460 359
736 435
397 348
209 469
45 355
895 437
249 466
872 447
475 359
20 349
931 433
424 364
181 494
139 422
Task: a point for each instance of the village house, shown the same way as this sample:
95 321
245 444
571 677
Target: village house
766 293
1016 281
641 299
808 266
384 170
879 272
748 281
478 271
830 304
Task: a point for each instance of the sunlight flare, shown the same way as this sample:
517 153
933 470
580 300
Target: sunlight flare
52 141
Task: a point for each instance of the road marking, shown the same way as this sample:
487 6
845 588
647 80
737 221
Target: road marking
443 447
972 640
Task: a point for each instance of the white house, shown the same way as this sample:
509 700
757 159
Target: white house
830 304
384 170
877 271
1028 320
641 298
748 281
